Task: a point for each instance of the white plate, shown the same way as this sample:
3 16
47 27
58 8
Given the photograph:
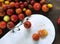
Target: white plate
24 36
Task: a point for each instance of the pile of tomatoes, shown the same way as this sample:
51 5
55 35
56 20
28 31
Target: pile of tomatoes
12 12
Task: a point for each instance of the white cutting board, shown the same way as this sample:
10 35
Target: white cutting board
24 36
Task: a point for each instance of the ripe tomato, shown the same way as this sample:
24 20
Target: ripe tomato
28 12
37 6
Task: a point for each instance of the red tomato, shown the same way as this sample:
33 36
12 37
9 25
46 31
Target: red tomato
58 21
14 18
35 37
10 25
37 6
27 24
21 16
2 24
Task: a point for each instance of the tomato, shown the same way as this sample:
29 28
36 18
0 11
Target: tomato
27 24
14 18
10 25
35 37
28 12
37 6
18 11
2 24
12 4
42 33
45 8
42 1
21 16
58 21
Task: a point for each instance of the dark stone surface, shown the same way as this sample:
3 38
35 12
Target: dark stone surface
53 15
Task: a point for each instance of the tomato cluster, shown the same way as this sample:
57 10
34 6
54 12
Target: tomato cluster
11 12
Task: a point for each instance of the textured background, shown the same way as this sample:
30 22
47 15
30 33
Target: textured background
53 15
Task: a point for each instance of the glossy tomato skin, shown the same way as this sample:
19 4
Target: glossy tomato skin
12 4
30 6
2 24
24 9
58 21
32 2
37 6
21 16
21 2
45 8
17 4
10 11
27 24
35 37
22 6
10 25
6 18
14 18
4 6
28 12
2 14
18 10
43 33
25 4
42 1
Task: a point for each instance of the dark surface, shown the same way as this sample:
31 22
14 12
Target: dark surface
53 15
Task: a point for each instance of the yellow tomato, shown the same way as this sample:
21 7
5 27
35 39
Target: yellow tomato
1 0
43 33
7 2
50 5
6 18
